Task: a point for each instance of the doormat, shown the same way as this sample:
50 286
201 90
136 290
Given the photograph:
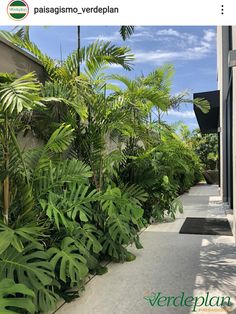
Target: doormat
212 226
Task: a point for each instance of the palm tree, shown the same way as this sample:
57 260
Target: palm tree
125 32
64 81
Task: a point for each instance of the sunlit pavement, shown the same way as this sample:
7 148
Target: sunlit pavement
170 263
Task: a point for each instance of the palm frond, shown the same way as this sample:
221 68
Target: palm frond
202 104
97 55
51 175
20 94
22 32
126 31
60 139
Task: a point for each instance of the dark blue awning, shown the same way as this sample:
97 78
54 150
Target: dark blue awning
208 122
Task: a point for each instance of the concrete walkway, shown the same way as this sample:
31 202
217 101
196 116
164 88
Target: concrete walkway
170 263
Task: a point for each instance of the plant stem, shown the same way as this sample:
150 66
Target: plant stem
6 192
78 116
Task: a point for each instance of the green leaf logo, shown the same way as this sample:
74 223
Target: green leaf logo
18 10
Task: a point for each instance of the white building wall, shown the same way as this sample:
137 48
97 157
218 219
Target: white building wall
223 82
234 129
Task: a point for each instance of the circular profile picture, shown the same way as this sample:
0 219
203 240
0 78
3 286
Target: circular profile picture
18 10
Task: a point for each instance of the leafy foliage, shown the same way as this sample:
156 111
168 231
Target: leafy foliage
72 264
19 236
103 168
126 31
31 268
164 172
9 304
206 147
19 94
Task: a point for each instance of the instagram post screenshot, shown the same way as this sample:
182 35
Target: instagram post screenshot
117 157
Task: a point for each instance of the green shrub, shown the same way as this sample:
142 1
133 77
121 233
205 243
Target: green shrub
167 170
206 147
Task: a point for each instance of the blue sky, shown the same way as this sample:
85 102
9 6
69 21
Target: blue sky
191 50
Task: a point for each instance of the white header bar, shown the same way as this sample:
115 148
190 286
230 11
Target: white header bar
117 12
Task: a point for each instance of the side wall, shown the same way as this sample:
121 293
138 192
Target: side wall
226 41
234 126
223 82
14 60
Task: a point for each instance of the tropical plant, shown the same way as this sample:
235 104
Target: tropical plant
104 165
16 95
166 170
9 303
53 196
72 264
123 212
32 268
206 147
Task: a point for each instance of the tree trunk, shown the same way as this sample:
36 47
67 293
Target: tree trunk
6 185
78 139
6 200
78 48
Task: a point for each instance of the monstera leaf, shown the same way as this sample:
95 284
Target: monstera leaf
79 199
72 265
18 237
12 304
113 249
47 298
88 236
119 229
31 268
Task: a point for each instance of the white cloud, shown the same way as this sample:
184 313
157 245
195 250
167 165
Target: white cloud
115 66
188 47
209 35
143 34
113 37
173 45
170 33
157 56
163 35
183 114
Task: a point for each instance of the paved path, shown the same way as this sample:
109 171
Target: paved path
170 263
